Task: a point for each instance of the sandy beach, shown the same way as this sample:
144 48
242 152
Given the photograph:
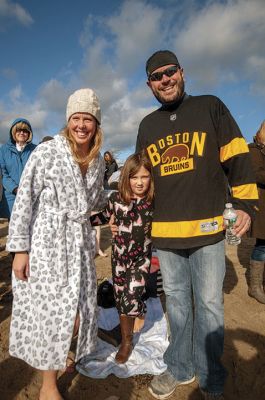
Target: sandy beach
243 355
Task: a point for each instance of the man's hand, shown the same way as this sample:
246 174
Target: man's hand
21 266
242 224
113 227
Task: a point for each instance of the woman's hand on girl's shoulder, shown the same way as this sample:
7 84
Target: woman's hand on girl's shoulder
21 265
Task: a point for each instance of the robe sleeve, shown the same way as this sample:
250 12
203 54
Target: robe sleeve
31 185
102 199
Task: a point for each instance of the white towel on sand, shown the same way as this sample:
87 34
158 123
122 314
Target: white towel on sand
149 346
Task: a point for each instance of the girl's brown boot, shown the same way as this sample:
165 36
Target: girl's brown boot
126 346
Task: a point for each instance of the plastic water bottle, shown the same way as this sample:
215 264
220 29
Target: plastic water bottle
230 217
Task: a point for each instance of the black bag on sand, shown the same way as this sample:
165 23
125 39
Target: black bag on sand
105 295
105 299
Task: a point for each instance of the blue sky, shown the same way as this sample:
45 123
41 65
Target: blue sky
51 48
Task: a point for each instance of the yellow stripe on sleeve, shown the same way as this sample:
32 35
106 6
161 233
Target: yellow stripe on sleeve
245 192
235 147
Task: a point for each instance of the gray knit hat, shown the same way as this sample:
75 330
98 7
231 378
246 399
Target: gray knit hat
83 100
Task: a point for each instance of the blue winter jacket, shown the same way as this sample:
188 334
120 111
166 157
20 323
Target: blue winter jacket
12 163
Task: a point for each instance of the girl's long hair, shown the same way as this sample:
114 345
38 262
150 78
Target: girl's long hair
94 146
130 168
110 156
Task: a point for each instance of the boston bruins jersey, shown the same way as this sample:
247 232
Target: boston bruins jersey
200 161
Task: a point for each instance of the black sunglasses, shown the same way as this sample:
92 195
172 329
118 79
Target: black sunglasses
23 130
157 76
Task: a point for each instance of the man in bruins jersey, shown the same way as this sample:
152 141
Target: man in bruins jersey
197 152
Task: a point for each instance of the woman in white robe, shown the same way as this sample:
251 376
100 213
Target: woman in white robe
54 279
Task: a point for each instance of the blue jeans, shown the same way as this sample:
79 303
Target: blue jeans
258 253
193 283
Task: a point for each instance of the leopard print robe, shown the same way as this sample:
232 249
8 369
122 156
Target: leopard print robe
50 220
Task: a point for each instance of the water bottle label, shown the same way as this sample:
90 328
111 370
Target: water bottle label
229 223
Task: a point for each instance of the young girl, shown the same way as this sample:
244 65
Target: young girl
132 208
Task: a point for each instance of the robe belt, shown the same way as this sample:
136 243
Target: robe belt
78 219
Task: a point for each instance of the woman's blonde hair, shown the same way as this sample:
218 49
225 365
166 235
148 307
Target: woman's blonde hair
130 168
94 145
260 135
17 127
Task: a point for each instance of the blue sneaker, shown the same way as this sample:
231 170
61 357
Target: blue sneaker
162 386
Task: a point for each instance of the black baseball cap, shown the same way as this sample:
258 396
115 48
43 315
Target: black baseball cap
159 59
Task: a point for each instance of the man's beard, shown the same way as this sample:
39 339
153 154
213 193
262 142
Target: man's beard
178 95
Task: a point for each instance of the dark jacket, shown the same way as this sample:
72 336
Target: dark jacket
257 152
12 163
1 185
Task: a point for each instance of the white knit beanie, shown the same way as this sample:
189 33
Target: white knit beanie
83 100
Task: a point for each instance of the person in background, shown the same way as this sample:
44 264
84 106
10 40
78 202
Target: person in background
195 146
54 281
132 208
1 186
13 158
257 259
113 181
111 166
46 139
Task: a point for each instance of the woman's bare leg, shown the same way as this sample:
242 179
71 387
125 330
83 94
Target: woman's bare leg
49 389
98 234
76 325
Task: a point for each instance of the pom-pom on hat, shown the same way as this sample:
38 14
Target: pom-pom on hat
159 59
83 100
